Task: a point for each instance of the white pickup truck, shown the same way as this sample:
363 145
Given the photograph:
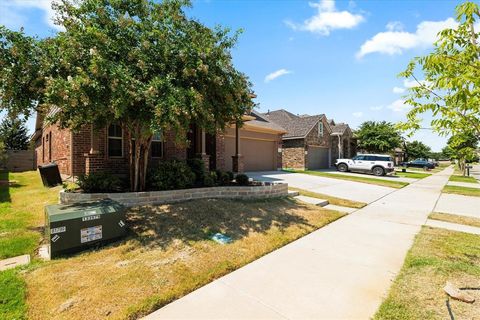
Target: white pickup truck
378 164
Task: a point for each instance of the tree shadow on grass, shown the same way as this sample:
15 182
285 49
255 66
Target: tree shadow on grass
5 185
198 220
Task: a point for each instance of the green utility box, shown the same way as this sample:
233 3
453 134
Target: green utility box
71 228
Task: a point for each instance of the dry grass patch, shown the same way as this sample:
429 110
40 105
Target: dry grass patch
168 255
454 218
331 200
436 256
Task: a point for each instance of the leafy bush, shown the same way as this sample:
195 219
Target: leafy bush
69 186
231 176
198 168
100 182
170 175
223 178
242 179
210 180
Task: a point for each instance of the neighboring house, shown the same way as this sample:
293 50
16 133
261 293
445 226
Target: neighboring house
307 143
255 146
399 157
344 144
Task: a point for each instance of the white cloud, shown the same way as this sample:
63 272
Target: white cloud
399 106
377 108
358 114
274 75
15 6
327 18
398 90
396 41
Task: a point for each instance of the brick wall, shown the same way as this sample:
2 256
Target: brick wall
220 151
54 146
133 199
293 154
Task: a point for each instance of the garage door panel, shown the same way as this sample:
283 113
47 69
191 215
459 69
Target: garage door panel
318 158
258 155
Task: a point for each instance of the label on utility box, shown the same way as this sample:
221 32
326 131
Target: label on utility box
90 234
58 230
90 218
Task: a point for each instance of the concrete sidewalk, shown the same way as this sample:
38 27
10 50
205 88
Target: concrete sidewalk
341 271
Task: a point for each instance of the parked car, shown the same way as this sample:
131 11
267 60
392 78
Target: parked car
378 164
419 163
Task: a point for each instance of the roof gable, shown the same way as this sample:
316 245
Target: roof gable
296 126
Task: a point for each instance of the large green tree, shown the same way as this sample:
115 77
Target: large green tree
378 137
450 89
417 149
463 148
142 64
14 134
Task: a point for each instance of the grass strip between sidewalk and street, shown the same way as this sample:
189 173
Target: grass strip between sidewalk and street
378 182
465 191
454 218
437 256
331 199
458 178
412 175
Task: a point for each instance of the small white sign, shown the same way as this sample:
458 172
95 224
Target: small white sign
121 224
90 218
55 238
58 230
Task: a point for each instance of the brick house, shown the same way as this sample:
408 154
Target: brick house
252 147
343 142
307 143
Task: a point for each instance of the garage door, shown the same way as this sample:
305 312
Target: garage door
258 155
317 158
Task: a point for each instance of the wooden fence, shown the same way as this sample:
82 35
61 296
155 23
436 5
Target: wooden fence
20 160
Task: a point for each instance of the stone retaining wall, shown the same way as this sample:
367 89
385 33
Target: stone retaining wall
132 199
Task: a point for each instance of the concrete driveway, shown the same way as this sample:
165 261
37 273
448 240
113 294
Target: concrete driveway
345 189
458 204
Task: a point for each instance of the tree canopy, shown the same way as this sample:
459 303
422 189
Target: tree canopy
14 134
377 137
140 63
450 89
417 149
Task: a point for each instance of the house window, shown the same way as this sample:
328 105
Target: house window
115 141
157 145
320 129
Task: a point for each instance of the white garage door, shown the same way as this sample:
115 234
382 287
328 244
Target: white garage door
317 158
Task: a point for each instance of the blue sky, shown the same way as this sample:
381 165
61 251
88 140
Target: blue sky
340 58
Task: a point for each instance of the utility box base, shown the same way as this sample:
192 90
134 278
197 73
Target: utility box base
72 228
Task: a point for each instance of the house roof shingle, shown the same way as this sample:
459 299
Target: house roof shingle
296 126
261 121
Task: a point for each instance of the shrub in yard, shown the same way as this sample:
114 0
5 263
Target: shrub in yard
242 179
198 168
210 180
169 175
231 176
100 182
69 186
223 178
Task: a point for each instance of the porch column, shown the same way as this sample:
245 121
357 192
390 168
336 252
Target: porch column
340 147
203 152
349 148
237 159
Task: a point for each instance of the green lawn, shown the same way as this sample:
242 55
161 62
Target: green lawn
412 174
359 178
331 200
457 178
23 198
436 256
453 218
474 192
12 295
